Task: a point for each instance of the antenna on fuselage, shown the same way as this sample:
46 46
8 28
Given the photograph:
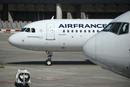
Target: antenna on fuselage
52 17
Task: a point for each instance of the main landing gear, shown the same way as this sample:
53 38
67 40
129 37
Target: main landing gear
49 56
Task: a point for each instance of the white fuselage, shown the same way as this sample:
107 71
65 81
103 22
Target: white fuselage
111 47
58 35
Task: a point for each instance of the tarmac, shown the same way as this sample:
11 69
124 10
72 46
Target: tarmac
69 69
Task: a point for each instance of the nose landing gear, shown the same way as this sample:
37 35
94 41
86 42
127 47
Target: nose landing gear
49 56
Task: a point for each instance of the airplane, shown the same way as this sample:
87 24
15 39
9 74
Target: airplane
57 35
111 47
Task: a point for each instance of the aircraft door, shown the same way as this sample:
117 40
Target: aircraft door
50 32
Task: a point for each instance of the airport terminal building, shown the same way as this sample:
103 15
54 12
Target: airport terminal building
17 13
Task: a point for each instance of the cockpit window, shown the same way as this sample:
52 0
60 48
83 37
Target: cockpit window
117 28
23 29
33 30
124 28
28 30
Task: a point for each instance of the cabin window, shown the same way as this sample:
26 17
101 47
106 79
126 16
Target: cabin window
85 31
72 31
80 31
93 31
76 31
63 31
89 31
68 31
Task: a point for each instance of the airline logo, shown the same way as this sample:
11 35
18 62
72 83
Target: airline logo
82 25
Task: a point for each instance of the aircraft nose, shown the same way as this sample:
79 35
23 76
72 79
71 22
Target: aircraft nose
14 40
89 48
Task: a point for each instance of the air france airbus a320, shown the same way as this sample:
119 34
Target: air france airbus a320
57 35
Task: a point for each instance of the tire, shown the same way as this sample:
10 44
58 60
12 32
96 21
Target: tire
48 62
